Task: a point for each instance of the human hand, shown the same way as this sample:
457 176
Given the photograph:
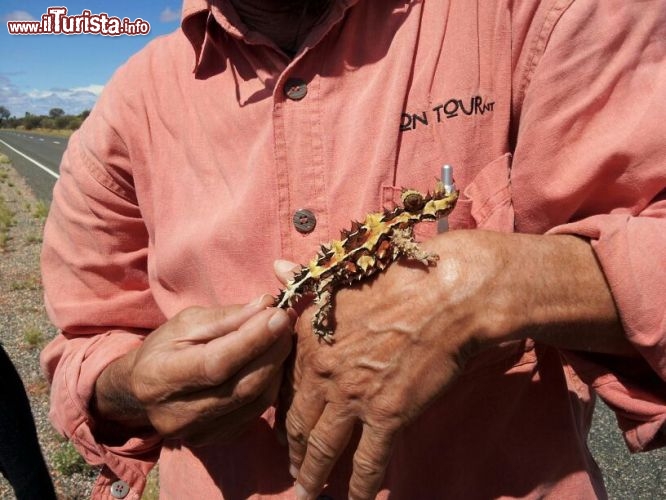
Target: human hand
205 375
401 340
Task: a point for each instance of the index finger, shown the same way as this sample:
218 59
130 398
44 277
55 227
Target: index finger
226 355
204 324
285 270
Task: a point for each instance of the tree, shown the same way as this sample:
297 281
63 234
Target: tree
56 112
32 121
4 114
49 123
62 122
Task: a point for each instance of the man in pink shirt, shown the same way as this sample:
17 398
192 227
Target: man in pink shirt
257 132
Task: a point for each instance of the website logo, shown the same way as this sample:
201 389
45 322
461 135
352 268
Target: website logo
56 21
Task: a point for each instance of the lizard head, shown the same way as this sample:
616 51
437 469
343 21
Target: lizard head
431 206
412 200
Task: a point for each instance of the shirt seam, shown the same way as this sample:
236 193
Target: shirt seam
540 43
100 175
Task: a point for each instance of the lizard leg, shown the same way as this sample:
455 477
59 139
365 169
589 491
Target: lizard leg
321 321
403 241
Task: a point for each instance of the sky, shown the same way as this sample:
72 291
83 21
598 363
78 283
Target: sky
41 72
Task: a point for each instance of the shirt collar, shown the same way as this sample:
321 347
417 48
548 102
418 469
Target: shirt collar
199 18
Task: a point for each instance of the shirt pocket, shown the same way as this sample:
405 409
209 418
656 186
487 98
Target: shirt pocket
486 203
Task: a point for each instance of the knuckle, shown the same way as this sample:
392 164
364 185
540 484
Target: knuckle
295 427
320 450
366 468
245 391
391 412
352 391
324 366
297 438
257 388
309 481
190 315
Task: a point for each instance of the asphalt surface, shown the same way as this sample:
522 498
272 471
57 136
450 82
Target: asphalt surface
627 477
640 476
36 157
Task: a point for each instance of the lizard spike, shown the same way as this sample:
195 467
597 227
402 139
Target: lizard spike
356 226
302 273
387 215
367 248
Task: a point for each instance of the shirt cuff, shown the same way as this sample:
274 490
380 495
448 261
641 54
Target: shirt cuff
630 252
73 365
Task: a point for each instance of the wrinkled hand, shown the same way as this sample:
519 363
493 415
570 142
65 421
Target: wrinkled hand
400 341
206 374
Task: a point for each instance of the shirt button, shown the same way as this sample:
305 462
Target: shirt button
295 89
304 221
119 489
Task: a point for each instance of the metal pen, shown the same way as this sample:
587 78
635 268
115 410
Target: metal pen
449 186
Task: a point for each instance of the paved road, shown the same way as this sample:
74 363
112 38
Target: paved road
36 157
627 477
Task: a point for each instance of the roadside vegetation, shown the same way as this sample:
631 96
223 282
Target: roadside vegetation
6 215
6 221
57 122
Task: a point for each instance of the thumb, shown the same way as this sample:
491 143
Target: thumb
284 270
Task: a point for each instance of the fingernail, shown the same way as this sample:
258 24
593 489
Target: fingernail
279 321
293 471
293 315
301 494
283 266
256 301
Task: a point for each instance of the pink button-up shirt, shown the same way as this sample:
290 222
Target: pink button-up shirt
180 190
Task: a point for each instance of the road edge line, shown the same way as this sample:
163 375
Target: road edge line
45 169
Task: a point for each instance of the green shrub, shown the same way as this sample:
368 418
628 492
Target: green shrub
49 123
6 221
33 336
67 461
41 210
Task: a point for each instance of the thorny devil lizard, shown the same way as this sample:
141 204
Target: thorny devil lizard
364 250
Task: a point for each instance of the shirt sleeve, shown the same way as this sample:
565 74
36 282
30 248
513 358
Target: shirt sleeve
590 160
96 286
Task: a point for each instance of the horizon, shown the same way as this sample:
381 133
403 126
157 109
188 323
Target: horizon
45 71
